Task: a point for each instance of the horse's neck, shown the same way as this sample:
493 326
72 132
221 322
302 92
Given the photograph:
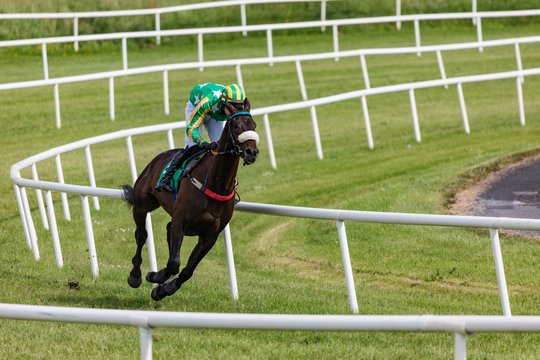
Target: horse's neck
224 168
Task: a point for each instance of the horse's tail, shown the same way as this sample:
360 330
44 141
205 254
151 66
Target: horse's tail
127 195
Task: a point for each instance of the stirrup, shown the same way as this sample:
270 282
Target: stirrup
163 186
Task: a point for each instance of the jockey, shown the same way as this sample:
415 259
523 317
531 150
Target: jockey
203 108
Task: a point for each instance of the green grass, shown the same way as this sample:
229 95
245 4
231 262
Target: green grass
283 265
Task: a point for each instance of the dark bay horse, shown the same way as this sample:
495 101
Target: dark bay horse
195 211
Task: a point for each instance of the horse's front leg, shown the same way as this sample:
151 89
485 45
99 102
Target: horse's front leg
175 236
199 252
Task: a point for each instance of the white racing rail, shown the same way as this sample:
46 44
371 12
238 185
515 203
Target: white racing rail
157 12
268 28
461 326
340 216
519 75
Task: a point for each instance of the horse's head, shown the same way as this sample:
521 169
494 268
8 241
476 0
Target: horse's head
241 127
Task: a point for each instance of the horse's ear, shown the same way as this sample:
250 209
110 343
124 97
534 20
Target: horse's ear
247 105
227 109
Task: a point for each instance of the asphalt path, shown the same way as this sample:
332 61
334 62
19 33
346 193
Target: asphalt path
513 193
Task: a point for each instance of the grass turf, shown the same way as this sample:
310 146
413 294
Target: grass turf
283 265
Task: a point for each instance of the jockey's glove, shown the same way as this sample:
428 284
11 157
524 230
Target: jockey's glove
209 146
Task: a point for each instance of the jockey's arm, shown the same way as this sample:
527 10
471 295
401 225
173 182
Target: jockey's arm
195 120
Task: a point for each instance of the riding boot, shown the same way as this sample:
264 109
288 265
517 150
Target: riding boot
164 183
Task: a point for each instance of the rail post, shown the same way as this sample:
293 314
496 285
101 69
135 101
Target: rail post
76 33
479 33
54 230
111 98
145 336
131 156
124 54
520 101
364 71
23 216
30 224
269 45
90 236
170 139
347 266
239 79
499 268
150 243
230 262
417 36
414 116
158 28
45 62
39 197
398 14
323 14
200 49
463 109
269 141
91 176
336 40
243 17
460 346
60 173
367 123
57 106
312 111
441 67
518 61
166 92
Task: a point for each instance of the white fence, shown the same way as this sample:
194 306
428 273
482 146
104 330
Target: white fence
340 216
156 12
146 321
461 326
519 75
268 28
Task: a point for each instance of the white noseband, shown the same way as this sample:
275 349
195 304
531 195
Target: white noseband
248 135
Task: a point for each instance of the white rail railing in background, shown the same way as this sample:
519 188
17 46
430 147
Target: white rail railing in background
340 216
157 12
362 53
461 326
474 10
268 28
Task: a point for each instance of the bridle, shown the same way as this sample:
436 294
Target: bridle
236 150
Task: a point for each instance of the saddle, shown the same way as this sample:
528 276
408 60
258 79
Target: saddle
189 164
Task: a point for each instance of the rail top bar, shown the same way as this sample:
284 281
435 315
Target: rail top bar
163 10
151 319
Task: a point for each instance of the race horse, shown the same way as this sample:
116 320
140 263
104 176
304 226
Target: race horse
204 201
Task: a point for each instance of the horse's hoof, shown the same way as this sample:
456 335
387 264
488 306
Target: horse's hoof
133 281
150 275
155 293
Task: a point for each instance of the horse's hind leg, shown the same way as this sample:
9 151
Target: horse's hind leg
134 278
199 252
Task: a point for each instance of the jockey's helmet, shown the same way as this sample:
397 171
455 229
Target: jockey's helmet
233 93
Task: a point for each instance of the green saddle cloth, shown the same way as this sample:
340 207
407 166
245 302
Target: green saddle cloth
174 180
